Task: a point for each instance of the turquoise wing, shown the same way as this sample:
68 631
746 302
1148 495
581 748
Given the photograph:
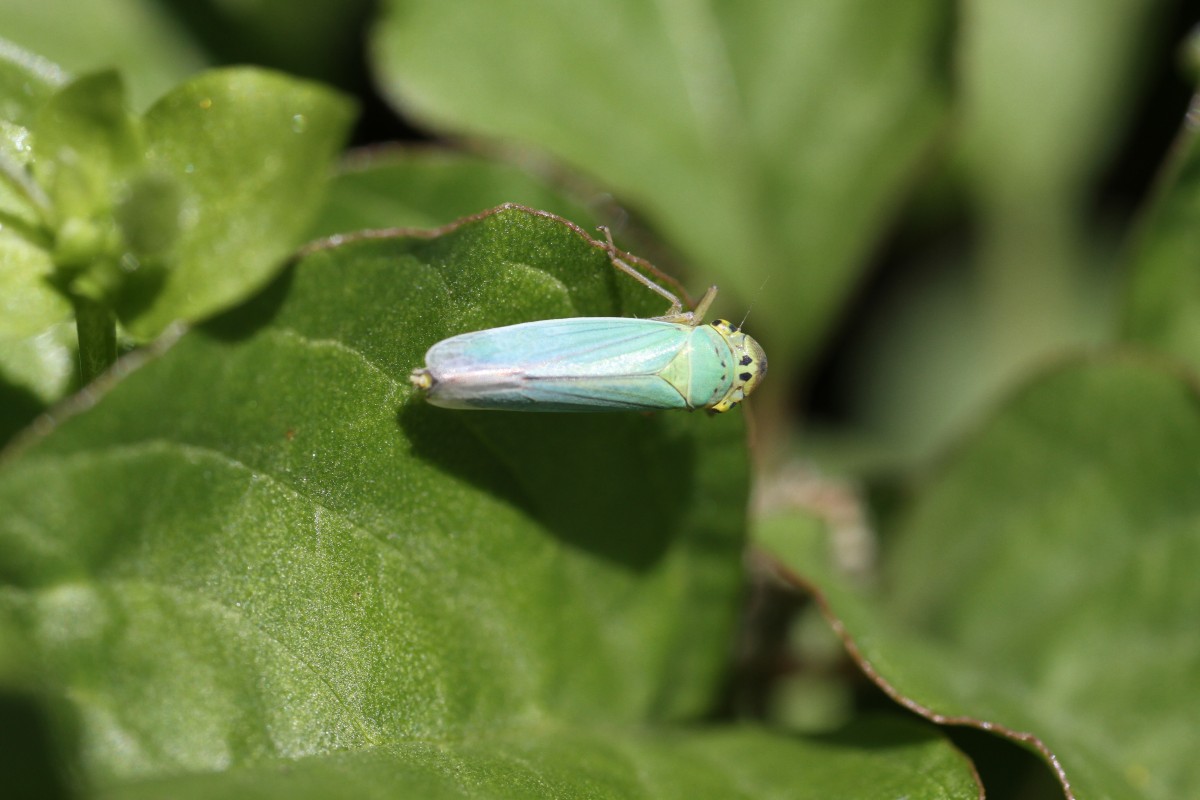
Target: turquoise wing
584 364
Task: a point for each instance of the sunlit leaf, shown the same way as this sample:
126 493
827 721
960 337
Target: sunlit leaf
251 151
259 565
877 759
269 536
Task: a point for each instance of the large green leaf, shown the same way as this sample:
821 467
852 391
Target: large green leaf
1162 307
764 139
267 498
259 554
1044 585
880 759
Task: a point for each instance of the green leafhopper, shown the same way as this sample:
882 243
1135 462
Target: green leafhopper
598 363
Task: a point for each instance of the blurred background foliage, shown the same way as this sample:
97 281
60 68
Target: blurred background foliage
922 204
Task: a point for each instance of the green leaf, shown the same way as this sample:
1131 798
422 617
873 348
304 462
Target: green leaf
250 151
34 363
426 188
259 566
137 37
765 140
35 372
1038 125
85 141
263 533
1162 306
232 169
880 759
1044 585
1028 273
29 304
27 81
176 216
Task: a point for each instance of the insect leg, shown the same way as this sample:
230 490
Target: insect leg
675 313
697 314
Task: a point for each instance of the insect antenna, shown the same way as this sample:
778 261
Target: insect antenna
757 295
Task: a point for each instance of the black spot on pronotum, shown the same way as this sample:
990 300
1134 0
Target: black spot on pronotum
746 361
746 376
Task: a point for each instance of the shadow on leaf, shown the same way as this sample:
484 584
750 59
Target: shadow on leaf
614 485
256 313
